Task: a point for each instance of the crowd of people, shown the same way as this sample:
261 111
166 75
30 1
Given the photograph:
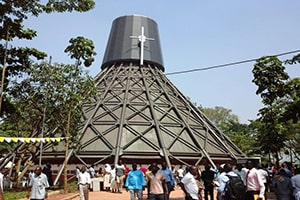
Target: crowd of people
248 181
205 182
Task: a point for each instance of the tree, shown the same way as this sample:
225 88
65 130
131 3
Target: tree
14 60
291 101
244 136
280 97
220 116
55 105
50 97
19 62
82 50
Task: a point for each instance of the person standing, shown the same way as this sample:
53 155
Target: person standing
180 174
221 178
232 186
107 176
84 181
189 184
169 178
113 182
1 180
208 177
254 183
264 176
282 185
47 170
92 171
241 171
296 184
156 184
120 175
37 185
135 182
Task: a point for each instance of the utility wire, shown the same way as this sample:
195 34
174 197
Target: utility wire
227 64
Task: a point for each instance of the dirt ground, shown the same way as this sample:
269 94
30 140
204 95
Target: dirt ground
103 195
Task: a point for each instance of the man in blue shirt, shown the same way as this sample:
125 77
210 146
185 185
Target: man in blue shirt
169 178
135 182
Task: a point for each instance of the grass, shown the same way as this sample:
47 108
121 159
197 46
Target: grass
20 193
13 195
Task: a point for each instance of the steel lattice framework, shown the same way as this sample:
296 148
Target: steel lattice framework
140 115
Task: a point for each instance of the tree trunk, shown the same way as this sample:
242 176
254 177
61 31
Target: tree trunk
66 154
3 73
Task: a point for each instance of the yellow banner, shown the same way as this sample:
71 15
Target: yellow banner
30 140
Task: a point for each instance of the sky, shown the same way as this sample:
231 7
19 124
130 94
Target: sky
194 34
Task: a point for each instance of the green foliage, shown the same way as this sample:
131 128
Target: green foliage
244 136
291 101
220 116
81 48
269 76
53 89
294 60
72 187
281 98
68 5
14 60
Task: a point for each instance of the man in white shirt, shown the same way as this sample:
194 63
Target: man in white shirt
220 179
37 185
189 184
84 181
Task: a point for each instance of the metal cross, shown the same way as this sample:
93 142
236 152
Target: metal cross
142 38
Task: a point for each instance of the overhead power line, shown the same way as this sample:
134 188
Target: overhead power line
227 64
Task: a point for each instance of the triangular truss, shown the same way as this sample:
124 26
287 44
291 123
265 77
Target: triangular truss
140 115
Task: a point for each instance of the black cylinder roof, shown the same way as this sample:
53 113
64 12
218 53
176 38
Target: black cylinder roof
124 43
